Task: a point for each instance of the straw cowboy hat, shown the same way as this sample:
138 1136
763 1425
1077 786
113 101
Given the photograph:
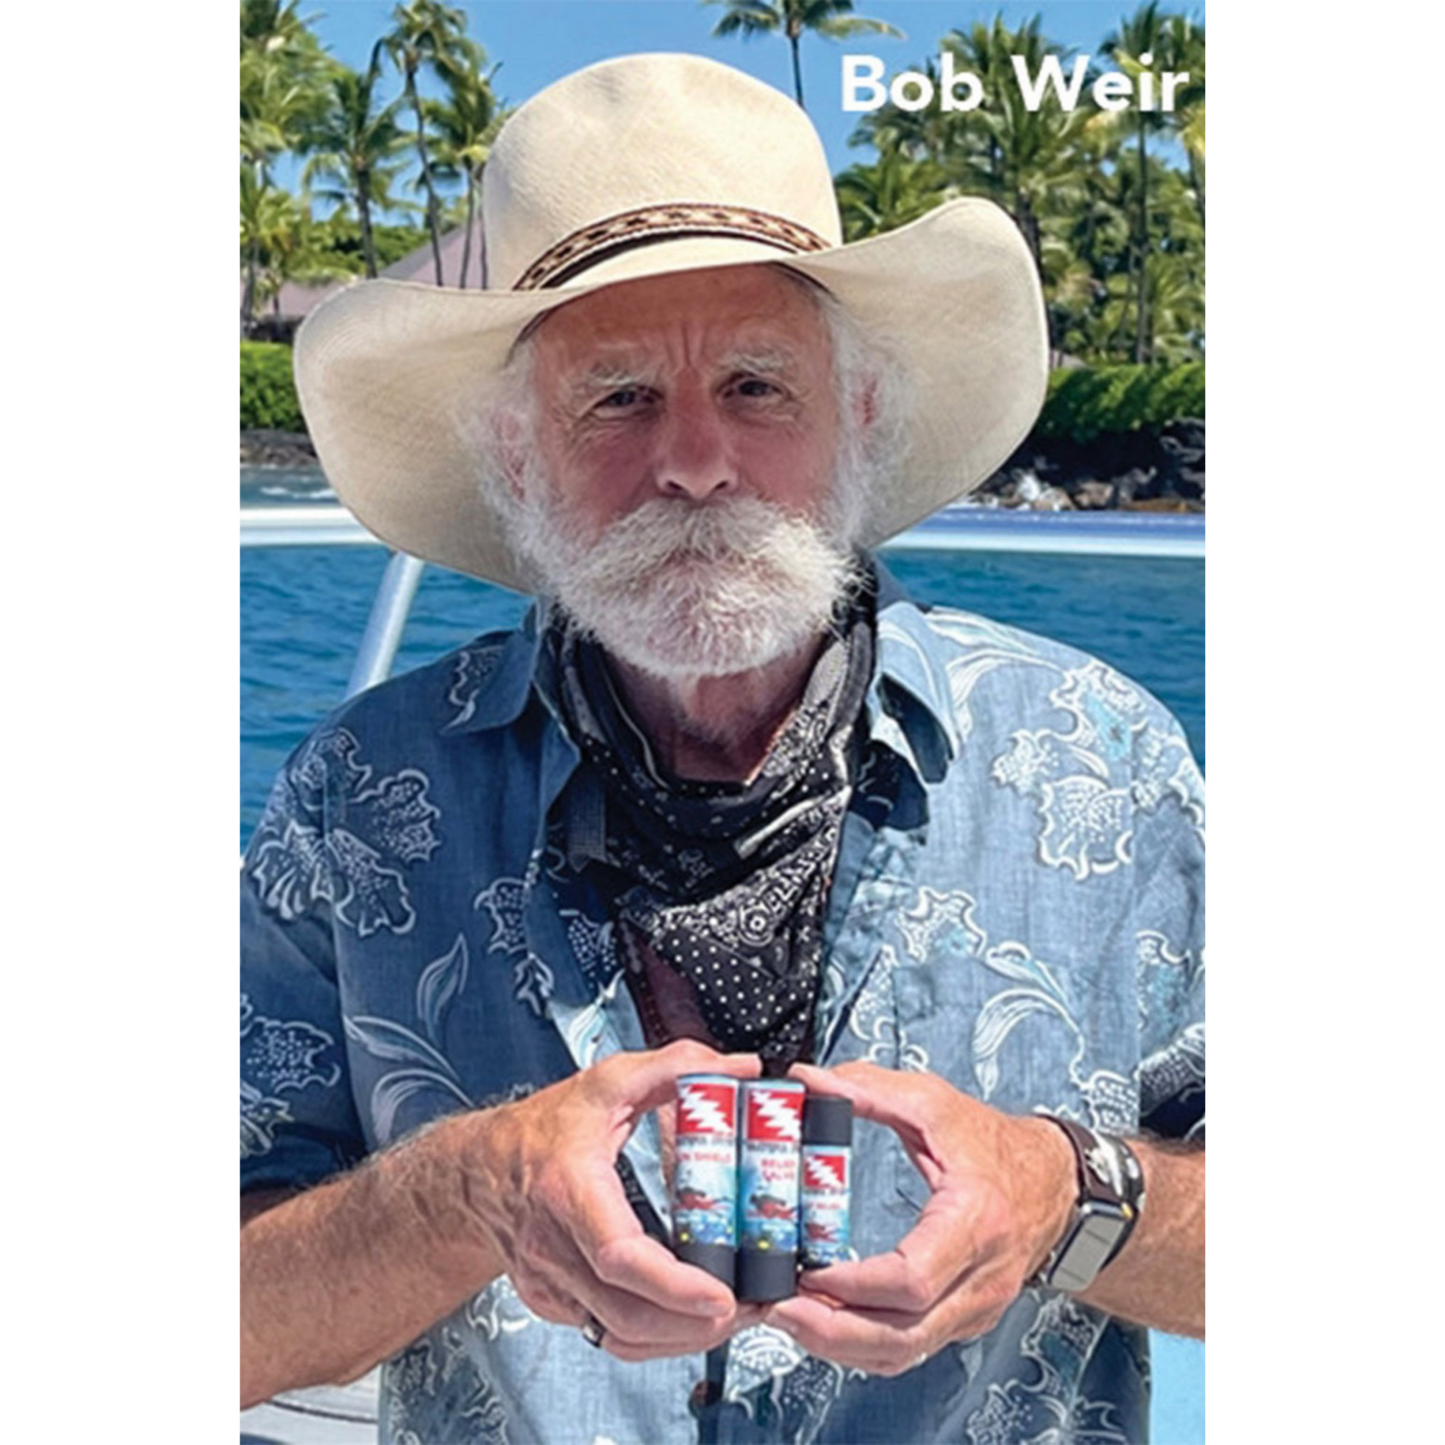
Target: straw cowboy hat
637 167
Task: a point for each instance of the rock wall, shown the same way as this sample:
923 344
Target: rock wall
1152 471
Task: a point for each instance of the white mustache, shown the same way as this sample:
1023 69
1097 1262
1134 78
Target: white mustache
665 531
686 589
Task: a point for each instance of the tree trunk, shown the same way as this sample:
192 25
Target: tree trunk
1196 182
248 300
431 197
1028 225
797 70
363 214
471 217
1120 333
1139 344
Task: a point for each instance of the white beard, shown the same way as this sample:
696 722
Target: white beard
683 590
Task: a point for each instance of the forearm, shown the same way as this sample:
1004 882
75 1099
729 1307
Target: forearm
344 1275
1158 1277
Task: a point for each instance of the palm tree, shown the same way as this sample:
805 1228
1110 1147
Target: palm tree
282 70
354 148
1176 309
1186 55
283 75
1029 161
1145 33
465 129
1104 234
833 18
280 243
263 214
1084 247
887 194
427 33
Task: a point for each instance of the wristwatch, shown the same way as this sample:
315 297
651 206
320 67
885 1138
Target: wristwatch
1111 1198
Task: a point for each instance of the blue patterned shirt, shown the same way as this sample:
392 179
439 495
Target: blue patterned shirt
1024 918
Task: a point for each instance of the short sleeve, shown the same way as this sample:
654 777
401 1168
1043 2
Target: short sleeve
298 1120
1169 939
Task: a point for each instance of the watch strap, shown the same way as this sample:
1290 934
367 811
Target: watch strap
1111 1186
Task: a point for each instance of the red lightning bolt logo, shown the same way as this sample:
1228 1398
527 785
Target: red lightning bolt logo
703 1112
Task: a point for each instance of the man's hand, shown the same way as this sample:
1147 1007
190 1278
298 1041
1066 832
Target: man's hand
1002 1189
545 1191
341 1276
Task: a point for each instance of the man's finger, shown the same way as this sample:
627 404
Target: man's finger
930 1260
884 1096
645 1081
644 1325
562 1288
642 1266
747 1316
880 1342
592 1232
656 1320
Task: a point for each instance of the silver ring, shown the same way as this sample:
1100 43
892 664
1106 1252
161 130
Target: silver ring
921 1360
593 1330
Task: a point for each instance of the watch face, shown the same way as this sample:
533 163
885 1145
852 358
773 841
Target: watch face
1089 1246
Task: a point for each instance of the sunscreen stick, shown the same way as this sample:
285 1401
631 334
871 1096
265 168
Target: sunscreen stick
704 1185
827 1181
768 1181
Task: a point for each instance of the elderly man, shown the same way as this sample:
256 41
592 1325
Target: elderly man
729 802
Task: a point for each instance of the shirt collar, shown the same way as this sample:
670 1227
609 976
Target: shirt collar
906 708
494 676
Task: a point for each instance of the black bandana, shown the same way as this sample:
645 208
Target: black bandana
724 882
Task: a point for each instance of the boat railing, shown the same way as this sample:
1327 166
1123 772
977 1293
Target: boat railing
978 530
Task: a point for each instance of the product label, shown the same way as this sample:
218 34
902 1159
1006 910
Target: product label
704 1191
769 1174
826 1237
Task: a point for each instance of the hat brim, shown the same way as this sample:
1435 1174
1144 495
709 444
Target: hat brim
388 373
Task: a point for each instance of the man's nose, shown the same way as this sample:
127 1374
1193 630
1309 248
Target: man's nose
694 457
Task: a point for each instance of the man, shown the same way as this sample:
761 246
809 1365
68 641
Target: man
727 802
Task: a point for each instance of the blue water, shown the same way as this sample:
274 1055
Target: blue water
303 611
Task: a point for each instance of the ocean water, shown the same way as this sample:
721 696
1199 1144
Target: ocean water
304 609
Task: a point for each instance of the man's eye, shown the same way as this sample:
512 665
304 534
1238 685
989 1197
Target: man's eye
755 386
623 398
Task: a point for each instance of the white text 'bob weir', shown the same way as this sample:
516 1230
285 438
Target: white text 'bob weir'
955 89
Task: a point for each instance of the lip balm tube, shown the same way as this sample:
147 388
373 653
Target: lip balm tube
827 1181
704 1185
769 1167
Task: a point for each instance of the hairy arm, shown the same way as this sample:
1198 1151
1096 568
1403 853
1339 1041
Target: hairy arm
1157 1279
342 1276
1001 1192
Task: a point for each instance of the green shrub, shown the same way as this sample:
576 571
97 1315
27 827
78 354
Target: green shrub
1085 402
268 390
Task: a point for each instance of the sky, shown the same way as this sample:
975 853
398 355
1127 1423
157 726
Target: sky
534 42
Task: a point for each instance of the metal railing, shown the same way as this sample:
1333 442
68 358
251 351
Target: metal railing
1116 534
332 526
